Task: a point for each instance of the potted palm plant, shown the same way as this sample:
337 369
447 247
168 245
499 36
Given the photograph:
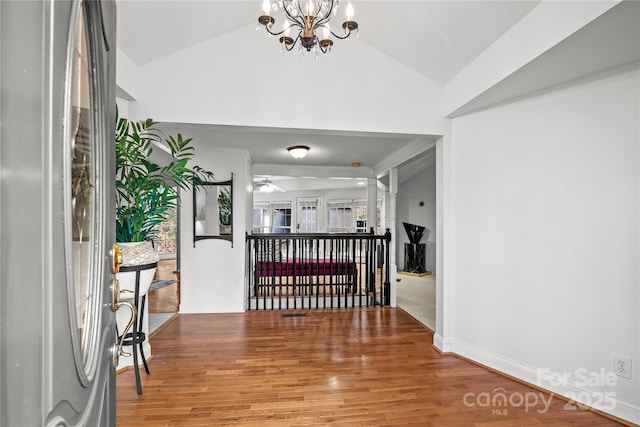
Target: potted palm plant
146 191
224 202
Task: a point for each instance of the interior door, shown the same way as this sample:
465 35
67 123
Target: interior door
57 118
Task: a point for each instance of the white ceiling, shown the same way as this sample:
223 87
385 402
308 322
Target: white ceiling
435 38
327 148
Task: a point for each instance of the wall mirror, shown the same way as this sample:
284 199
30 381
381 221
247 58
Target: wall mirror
213 211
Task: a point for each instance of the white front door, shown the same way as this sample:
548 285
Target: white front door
57 118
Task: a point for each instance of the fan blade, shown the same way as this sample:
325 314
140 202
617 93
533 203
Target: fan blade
266 186
277 188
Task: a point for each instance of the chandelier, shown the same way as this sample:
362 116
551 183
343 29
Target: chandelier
307 17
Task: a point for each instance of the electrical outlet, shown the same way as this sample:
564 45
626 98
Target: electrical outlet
622 366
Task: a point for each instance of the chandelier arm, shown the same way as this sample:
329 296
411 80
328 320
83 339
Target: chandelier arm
294 19
294 24
326 18
300 12
289 49
341 37
271 32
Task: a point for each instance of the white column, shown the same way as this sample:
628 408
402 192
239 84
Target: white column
391 225
372 204
444 215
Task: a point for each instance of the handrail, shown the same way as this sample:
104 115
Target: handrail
364 236
297 270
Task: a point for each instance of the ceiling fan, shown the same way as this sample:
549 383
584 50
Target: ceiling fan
266 186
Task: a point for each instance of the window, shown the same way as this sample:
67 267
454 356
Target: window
340 215
261 219
347 216
167 238
361 217
272 218
281 219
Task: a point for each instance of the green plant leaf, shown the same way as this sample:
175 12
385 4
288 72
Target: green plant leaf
145 190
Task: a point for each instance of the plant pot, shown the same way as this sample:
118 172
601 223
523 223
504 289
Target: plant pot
133 254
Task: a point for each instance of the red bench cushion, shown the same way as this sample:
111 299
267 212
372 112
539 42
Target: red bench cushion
315 267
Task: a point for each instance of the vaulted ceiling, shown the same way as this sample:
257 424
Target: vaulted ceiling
436 39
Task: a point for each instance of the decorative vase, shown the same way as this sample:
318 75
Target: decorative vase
136 253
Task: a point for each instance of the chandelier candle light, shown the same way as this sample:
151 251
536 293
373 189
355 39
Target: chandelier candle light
307 17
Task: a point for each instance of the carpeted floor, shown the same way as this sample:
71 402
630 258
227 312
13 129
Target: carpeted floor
417 296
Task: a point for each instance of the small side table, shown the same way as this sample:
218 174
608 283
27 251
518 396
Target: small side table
136 337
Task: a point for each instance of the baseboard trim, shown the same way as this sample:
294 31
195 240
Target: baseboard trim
408 273
164 325
443 346
130 367
146 348
627 413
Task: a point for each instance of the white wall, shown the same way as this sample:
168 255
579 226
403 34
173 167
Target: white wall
123 107
212 272
127 77
545 27
356 87
421 188
545 235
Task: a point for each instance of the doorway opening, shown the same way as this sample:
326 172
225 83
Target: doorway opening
164 293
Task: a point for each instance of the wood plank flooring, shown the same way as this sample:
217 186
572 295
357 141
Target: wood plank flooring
166 299
349 367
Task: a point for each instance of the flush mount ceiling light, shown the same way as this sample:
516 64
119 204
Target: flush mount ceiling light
298 151
306 17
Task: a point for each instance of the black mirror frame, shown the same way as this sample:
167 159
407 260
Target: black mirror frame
229 236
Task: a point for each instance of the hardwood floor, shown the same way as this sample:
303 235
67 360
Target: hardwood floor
348 367
166 299
166 268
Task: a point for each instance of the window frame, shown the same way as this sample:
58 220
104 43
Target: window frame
271 208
